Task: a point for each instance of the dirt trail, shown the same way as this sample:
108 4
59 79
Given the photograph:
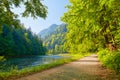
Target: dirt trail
88 68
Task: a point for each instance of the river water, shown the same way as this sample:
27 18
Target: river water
21 63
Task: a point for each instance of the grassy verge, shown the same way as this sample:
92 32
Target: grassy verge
15 73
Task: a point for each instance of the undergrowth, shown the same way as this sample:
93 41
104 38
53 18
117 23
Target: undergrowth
110 59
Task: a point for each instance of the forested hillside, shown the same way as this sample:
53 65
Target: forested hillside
47 31
18 42
55 39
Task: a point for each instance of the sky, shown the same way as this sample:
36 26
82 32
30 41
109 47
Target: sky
56 9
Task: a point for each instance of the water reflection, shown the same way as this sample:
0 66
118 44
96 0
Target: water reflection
28 62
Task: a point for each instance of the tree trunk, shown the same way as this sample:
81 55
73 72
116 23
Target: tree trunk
110 45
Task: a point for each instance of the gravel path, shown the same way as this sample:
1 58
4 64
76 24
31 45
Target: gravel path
88 68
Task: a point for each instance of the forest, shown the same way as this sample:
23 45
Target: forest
20 42
54 40
89 26
15 39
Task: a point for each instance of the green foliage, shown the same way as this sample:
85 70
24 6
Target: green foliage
55 41
19 42
2 58
92 23
33 8
110 59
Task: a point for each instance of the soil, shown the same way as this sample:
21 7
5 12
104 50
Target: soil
88 68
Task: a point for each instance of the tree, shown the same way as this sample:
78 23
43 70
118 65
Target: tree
33 8
20 42
93 21
6 41
55 41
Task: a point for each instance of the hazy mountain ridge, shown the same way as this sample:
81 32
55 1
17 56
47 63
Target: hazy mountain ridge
47 31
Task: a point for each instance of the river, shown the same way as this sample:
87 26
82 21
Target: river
21 63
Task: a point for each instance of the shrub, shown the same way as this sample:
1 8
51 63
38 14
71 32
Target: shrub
110 59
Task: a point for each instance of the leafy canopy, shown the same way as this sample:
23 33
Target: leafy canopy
92 21
33 8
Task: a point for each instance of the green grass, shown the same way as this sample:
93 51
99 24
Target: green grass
14 72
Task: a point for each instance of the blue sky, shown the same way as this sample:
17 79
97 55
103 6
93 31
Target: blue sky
56 9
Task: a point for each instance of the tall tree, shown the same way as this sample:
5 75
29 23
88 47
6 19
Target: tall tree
20 42
6 41
93 21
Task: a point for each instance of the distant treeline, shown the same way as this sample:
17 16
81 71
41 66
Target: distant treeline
19 42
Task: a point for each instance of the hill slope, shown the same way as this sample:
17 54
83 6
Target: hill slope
47 31
54 38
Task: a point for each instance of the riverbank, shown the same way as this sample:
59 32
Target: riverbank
15 73
87 68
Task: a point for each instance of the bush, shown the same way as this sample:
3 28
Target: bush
110 59
2 58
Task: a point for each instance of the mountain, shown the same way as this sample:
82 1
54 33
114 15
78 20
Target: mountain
54 38
47 31
55 41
